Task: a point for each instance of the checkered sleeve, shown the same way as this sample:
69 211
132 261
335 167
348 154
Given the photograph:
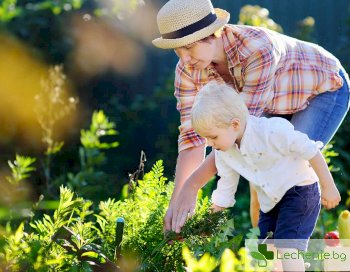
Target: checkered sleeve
185 92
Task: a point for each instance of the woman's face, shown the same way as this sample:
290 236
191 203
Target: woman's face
198 54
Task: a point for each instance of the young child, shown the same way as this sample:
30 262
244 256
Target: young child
284 166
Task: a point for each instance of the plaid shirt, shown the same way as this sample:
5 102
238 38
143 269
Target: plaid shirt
273 73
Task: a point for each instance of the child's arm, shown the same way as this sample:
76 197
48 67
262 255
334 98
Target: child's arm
215 208
224 194
330 196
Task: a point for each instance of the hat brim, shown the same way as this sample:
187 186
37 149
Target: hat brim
222 18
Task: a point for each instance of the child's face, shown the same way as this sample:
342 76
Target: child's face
223 138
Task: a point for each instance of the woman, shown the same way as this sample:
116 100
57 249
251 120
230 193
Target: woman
275 75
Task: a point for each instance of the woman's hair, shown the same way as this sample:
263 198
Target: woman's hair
216 34
216 104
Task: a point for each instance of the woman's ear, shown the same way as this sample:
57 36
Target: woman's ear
236 123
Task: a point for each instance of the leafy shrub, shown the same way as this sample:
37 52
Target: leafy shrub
37 245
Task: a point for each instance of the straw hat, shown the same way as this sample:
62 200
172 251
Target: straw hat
182 22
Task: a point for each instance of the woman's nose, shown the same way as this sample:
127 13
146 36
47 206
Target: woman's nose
183 55
186 58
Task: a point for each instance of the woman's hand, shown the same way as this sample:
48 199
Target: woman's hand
189 178
168 218
183 207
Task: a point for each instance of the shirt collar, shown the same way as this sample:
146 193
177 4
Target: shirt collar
245 138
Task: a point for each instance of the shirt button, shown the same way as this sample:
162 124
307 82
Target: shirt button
275 199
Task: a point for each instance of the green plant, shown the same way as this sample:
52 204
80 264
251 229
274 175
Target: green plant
117 7
39 245
229 261
34 250
52 105
20 169
90 181
15 188
69 210
329 153
58 7
8 10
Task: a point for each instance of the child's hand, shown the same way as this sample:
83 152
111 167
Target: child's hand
215 208
330 196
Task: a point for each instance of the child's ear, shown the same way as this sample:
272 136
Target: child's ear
236 123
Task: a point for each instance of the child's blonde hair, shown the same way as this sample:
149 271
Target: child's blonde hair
216 104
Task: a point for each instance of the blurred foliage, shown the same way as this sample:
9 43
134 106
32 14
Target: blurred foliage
9 9
20 169
16 190
305 29
52 105
47 29
91 181
42 24
121 8
257 16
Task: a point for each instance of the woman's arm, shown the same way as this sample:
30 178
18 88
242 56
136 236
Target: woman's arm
188 161
191 174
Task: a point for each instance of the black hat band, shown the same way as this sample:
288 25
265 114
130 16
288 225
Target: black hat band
190 29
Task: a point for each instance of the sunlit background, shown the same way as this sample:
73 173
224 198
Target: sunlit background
83 92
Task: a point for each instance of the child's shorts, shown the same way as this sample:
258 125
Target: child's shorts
293 218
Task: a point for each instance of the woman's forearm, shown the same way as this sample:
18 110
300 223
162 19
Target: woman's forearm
192 167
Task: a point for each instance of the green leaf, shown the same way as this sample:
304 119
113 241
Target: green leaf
90 254
20 168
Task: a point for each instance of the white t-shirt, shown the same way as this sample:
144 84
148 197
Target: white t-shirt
272 156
